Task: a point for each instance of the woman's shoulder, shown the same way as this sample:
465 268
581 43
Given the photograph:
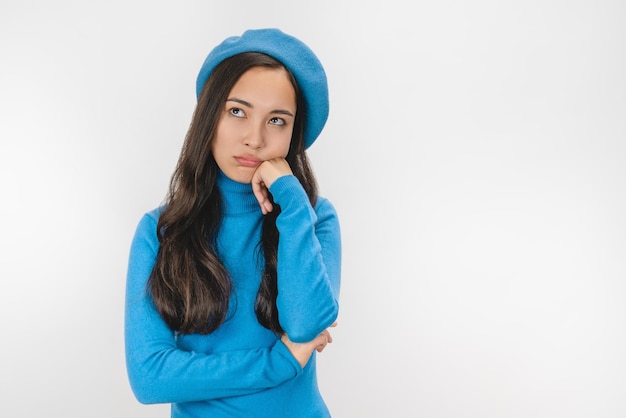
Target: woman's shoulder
324 207
155 213
149 220
146 239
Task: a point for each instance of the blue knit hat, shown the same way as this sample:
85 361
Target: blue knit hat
293 54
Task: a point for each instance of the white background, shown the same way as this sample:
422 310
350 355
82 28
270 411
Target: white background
475 152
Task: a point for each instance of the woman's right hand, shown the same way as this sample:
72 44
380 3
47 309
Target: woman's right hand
303 351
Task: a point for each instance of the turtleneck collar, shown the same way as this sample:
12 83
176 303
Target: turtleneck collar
237 197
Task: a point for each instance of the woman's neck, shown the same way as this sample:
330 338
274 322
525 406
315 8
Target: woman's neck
236 197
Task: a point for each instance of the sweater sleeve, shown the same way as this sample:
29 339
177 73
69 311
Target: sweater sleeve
159 372
309 261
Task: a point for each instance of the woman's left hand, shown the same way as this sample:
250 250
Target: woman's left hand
264 176
302 351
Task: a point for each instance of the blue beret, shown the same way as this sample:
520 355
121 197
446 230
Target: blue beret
293 54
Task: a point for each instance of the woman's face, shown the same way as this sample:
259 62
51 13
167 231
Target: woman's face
256 122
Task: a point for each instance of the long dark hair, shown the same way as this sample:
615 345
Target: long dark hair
189 284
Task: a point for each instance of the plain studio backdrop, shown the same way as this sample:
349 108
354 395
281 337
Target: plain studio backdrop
475 152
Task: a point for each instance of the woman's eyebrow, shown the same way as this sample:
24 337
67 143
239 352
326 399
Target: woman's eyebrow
240 101
282 112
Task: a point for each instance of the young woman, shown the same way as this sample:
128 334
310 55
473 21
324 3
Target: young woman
233 283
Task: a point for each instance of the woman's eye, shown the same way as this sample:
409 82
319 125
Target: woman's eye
277 121
237 112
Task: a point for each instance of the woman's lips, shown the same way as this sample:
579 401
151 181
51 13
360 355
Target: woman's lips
248 161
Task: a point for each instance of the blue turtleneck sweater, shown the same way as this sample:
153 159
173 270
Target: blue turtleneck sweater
242 369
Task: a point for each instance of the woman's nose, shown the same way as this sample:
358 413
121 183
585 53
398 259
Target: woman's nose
254 136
